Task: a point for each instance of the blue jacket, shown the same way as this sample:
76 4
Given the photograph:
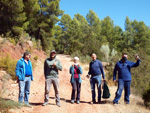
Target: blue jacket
124 69
72 74
20 69
96 68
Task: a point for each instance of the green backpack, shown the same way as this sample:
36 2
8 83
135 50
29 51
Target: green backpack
106 93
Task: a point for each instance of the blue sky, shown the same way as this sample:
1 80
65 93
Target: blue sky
116 9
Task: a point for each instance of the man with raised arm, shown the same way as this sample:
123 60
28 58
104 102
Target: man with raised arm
123 68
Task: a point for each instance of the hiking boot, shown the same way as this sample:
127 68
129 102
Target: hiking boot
58 104
45 103
78 102
72 101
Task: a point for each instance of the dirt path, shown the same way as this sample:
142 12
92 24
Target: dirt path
37 95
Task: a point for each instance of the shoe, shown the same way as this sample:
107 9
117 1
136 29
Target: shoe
114 103
28 105
78 102
72 101
45 103
58 104
126 102
99 102
93 102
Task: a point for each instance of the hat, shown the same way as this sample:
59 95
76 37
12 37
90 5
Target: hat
76 58
26 53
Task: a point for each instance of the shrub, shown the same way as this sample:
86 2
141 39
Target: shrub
8 64
146 97
83 58
36 44
12 40
6 104
36 58
108 54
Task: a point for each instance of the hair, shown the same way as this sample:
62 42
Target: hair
93 54
124 54
76 58
26 53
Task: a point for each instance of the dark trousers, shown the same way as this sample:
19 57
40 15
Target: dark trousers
76 85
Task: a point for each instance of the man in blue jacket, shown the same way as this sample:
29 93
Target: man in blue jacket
95 70
24 76
124 77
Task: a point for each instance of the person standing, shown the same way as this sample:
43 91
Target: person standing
75 71
51 67
24 76
123 68
95 70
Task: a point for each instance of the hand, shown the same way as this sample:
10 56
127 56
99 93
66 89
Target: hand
78 65
17 80
54 64
114 81
72 65
137 57
87 76
104 80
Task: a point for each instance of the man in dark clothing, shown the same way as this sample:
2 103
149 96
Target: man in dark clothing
95 70
124 77
51 67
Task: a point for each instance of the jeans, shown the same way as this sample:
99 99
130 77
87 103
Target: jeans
123 85
96 80
24 90
76 85
48 83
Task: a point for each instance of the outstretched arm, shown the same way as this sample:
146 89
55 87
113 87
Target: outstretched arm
133 64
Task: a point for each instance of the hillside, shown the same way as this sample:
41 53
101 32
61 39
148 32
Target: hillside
10 90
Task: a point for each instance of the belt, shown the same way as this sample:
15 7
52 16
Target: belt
27 75
95 75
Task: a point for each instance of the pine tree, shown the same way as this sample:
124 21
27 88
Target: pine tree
12 17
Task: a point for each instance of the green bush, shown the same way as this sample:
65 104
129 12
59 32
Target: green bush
12 40
83 58
36 44
36 58
8 64
5 105
146 97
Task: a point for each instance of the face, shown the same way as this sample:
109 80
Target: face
53 54
27 57
93 56
75 61
125 56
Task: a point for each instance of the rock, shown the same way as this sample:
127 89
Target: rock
30 43
14 85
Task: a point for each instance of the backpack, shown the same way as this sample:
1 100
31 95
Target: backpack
106 93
